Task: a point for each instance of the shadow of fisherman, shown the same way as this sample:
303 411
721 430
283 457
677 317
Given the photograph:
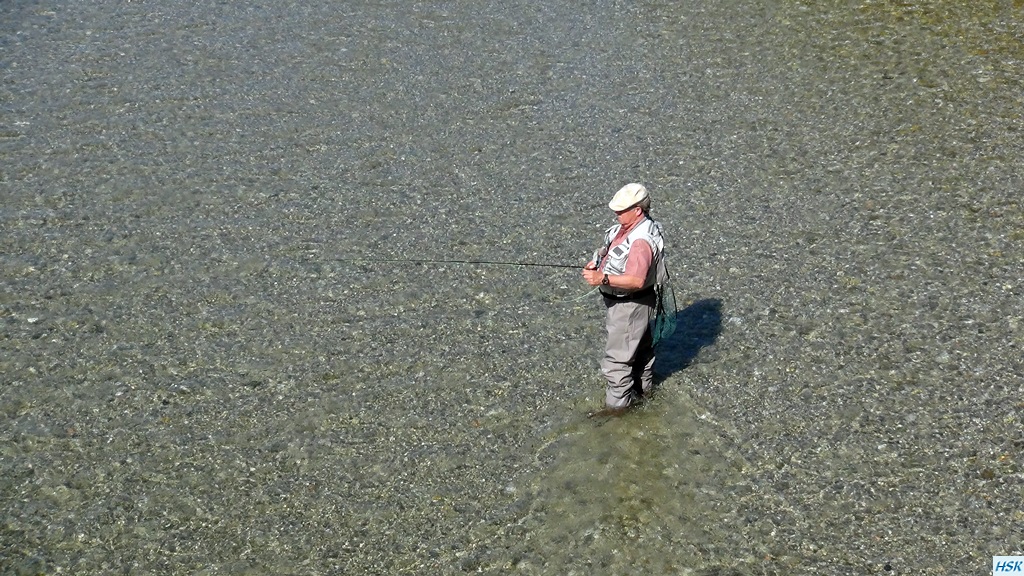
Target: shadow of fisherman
697 327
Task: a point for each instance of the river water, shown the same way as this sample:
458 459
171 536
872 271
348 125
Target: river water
209 368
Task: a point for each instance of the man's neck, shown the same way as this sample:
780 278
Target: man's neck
627 229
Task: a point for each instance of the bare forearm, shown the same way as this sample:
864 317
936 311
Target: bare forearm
624 281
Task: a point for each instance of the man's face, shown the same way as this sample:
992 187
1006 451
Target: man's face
629 216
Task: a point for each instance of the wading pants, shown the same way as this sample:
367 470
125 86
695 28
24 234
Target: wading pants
628 363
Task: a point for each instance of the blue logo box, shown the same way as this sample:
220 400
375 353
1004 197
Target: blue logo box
1008 565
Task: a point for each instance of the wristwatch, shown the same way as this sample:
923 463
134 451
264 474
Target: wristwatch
605 280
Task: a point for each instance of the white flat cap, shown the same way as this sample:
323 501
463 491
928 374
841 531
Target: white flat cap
628 196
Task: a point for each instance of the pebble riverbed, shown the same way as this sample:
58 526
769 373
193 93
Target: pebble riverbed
207 366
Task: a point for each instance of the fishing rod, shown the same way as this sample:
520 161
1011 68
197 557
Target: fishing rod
477 262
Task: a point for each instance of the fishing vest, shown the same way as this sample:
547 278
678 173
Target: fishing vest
615 261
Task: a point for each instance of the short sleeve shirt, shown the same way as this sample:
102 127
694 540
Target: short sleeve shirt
638 263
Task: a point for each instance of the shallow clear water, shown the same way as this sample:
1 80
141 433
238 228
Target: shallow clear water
198 378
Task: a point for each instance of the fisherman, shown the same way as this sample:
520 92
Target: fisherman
626 270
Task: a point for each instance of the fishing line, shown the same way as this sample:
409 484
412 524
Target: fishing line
568 300
477 262
573 300
474 262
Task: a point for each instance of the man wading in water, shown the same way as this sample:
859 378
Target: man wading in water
626 270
